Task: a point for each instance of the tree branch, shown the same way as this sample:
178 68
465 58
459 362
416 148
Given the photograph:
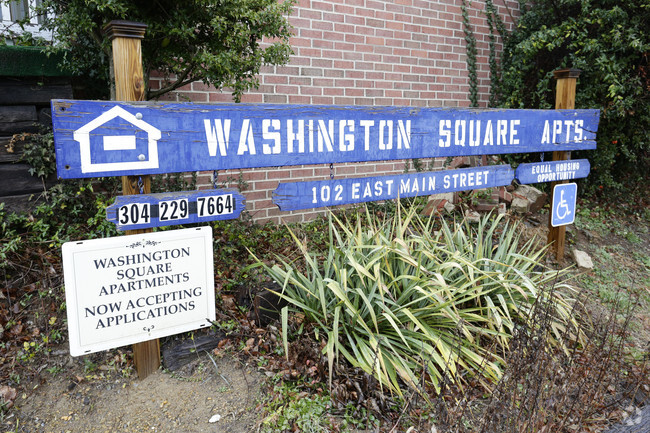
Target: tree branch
180 82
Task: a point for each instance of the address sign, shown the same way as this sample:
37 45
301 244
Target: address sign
305 195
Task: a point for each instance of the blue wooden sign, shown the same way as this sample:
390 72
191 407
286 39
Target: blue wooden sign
107 138
139 211
332 192
552 171
563 208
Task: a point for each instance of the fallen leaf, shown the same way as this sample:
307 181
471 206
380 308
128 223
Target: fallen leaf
17 329
7 393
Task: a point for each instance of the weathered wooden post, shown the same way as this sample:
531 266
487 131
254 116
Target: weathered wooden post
565 98
126 69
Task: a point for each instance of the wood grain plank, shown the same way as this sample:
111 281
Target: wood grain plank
21 92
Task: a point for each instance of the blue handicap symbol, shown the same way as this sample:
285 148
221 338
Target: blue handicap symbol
563 209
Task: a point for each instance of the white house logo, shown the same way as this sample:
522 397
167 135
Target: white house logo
127 149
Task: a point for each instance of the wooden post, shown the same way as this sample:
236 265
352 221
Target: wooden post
565 98
126 71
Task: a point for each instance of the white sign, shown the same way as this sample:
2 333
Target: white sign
128 289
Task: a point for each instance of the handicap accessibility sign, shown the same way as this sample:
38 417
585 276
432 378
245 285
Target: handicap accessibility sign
564 204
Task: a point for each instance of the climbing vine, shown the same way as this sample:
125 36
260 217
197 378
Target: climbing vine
495 25
470 40
494 22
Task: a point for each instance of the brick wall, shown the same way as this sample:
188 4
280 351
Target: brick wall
362 52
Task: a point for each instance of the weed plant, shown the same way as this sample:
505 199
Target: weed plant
416 307
547 389
301 406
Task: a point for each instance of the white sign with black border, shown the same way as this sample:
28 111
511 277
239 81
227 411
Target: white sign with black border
128 289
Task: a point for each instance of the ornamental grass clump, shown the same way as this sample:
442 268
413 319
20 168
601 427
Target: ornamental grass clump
413 306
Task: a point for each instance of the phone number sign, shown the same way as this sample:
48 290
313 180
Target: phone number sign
141 211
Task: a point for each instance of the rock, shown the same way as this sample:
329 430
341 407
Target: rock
460 162
214 418
504 195
486 206
501 210
473 217
450 207
582 259
535 197
438 202
520 204
449 196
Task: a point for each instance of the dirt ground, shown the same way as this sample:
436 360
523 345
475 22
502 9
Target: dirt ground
202 397
101 393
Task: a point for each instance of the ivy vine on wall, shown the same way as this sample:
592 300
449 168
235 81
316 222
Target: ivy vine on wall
495 25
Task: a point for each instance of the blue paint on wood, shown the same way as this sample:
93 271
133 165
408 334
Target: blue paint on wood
552 171
140 211
107 138
563 208
305 195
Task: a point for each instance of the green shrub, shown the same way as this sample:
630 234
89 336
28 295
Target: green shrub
414 307
609 41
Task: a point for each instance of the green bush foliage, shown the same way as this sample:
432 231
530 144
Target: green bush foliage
610 42
215 42
415 307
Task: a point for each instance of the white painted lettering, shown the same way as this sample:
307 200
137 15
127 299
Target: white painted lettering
293 136
474 139
445 131
502 128
325 135
568 124
367 191
218 136
389 186
246 140
404 134
273 136
346 138
557 130
383 125
513 131
355 190
546 134
489 132
379 188
459 132
579 131
366 124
